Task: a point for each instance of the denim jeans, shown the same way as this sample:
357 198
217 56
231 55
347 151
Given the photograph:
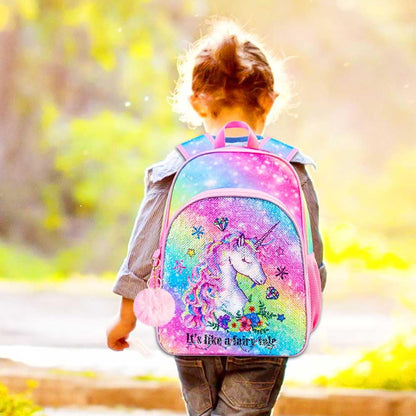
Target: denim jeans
239 386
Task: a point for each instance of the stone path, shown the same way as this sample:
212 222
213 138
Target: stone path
102 411
65 327
77 317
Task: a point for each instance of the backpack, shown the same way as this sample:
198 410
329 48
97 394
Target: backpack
235 261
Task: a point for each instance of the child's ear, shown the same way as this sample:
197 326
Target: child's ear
199 106
266 101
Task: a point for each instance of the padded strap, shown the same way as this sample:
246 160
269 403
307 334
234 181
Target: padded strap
197 145
278 148
206 142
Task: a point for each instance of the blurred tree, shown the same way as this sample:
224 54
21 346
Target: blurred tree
83 92
83 109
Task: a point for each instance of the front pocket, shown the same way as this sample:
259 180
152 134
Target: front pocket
235 265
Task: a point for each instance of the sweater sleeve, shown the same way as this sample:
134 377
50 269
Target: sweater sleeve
135 270
144 240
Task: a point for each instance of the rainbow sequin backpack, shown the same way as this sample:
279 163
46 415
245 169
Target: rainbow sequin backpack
235 265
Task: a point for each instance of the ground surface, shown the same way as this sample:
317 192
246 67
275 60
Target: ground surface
100 411
65 327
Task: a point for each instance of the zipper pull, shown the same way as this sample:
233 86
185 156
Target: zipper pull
155 275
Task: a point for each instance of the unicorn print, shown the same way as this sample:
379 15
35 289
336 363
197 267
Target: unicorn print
213 282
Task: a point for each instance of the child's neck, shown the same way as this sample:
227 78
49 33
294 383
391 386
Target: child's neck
214 124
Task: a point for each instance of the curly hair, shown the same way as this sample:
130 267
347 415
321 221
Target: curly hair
228 67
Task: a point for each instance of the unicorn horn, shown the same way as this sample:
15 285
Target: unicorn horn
258 242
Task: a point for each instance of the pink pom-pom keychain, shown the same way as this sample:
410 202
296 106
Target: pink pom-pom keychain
154 306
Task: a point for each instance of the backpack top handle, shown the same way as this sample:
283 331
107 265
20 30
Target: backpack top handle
252 142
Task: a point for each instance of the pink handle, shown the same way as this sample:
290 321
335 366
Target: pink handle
252 142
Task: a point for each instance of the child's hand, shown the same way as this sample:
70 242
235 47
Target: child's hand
120 328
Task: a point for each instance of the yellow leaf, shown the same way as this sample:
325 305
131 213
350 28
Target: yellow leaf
105 57
4 16
141 50
49 115
78 14
28 8
32 384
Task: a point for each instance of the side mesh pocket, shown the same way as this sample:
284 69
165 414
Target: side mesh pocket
315 289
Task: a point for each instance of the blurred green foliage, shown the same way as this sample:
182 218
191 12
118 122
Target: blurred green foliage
84 109
90 82
347 243
17 404
381 235
62 372
390 367
20 263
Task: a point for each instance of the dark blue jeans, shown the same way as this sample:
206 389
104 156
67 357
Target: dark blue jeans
239 386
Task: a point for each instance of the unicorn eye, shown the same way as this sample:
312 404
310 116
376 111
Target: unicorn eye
244 260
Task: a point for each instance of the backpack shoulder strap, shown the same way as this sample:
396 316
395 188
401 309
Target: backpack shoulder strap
205 142
196 145
279 148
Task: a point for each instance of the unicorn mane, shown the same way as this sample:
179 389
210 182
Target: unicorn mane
205 282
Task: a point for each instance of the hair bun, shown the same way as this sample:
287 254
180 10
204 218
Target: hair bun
227 57
225 68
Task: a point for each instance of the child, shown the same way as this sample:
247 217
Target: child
229 79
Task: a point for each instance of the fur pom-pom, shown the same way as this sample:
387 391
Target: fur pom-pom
154 307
